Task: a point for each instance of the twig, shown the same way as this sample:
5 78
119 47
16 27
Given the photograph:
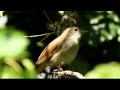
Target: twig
44 38
47 17
46 34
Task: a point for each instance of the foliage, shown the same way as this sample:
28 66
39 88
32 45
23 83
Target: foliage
101 44
1 13
105 27
13 55
106 70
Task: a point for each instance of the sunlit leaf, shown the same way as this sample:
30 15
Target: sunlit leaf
28 64
61 12
30 70
118 30
106 34
40 44
96 19
113 29
116 18
8 72
102 39
1 13
106 70
3 21
118 38
14 65
12 42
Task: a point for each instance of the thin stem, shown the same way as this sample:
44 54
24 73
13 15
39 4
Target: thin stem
47 17
44 38
46 34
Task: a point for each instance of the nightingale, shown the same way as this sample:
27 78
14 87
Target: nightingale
61 51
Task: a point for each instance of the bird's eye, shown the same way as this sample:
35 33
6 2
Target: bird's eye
75 29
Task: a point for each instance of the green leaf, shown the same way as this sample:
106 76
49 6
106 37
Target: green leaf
28 64
30 70
113 29
106 70
106 34
1 13
12 43
9 72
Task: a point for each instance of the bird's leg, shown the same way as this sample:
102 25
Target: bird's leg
60 69
56 69
54 72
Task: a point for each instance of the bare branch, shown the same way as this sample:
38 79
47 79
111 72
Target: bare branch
47 17
70 74
67 74
46 34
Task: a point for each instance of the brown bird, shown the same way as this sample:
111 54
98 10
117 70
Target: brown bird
61 51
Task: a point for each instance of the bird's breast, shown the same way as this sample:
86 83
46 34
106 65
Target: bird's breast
65 55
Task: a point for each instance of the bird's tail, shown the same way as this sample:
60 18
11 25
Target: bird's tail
40 67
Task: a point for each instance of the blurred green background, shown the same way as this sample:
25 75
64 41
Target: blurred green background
99 52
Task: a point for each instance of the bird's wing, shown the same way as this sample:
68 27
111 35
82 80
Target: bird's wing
49 51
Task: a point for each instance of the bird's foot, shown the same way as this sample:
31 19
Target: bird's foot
56 69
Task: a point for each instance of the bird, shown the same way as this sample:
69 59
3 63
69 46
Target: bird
61 51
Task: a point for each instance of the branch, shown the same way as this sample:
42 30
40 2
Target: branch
46 34
47 17
67 74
